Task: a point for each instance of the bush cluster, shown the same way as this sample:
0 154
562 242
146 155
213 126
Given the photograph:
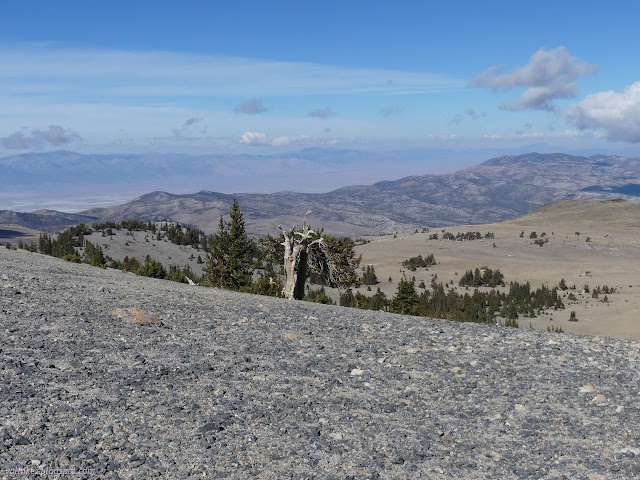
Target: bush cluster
414 263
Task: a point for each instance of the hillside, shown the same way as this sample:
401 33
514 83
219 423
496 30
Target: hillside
236 386
44 220
587 243
499 189
618 215
138 244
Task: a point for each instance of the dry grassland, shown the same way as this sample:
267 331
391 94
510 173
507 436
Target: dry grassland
605 252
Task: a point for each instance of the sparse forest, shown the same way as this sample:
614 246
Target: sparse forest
461 236
478 307
71 245
235 262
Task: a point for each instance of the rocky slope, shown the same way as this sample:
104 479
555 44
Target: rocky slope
212 384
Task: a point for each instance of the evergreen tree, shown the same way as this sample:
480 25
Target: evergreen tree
93 254
45 245
347 299
230 253
319 296
152 268
406 300
369 276
217 269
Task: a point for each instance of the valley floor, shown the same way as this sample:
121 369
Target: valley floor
606 251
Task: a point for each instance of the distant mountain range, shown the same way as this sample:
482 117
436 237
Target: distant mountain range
44 220
498 189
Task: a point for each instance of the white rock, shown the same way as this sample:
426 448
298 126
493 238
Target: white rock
587 389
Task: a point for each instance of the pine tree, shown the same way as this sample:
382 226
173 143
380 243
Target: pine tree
369 276
406 300
217 269
152 268
230 253
347 299
308 254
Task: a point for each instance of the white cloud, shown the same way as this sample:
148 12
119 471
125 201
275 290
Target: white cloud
254 138
261 139
550 75
617 113
281 141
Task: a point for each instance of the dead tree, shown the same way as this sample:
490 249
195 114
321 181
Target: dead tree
327 256
296 257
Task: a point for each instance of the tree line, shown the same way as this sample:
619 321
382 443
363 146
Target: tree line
236 262
478 307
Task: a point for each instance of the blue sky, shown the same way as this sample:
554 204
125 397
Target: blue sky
457 78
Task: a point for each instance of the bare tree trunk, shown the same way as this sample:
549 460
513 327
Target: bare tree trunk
295 260
301 274
289 267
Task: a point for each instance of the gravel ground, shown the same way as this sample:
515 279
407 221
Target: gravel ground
240 386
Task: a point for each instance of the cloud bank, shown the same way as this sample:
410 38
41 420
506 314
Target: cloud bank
152 74
252 106
55 135
549 75
617 113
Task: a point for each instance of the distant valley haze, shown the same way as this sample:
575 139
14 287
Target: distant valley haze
498 189
69 181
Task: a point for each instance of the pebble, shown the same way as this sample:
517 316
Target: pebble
230 385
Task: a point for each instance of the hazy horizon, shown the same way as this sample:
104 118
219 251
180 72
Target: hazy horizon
420 87
71 182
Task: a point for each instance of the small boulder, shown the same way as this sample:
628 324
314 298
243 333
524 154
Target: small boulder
135 315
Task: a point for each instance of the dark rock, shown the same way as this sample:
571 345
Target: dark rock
21 440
